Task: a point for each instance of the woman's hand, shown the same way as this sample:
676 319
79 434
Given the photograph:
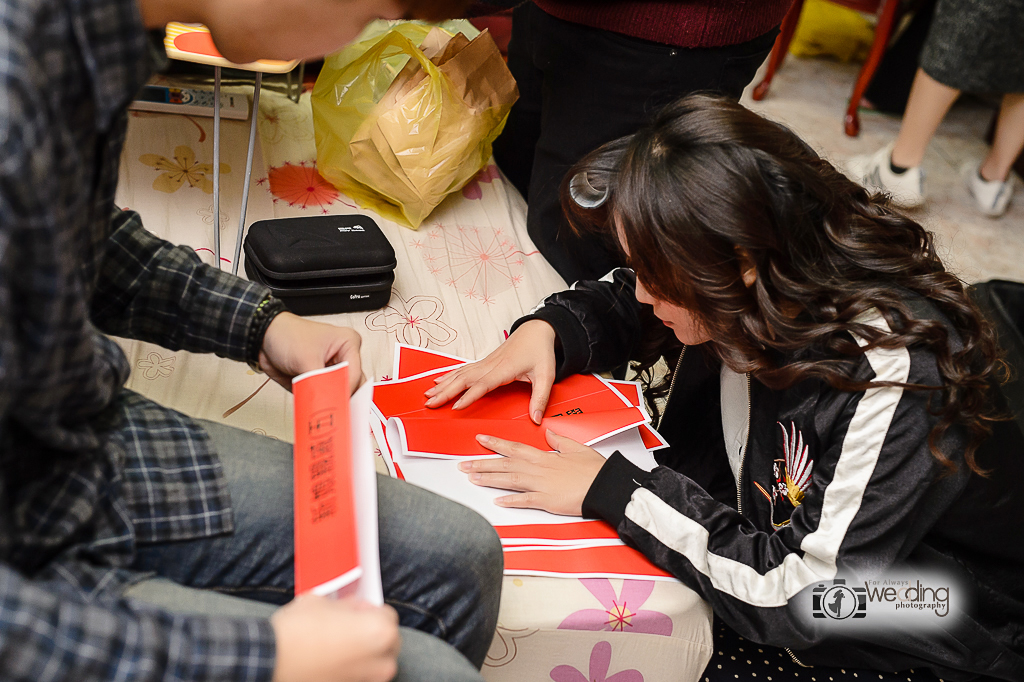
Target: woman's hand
553 481
527 355
292 346
323 640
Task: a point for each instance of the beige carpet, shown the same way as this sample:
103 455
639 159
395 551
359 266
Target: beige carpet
810 95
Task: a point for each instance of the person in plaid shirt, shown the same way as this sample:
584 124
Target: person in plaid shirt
136 543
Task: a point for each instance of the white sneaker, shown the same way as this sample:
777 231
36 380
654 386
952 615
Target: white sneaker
991 196
873 172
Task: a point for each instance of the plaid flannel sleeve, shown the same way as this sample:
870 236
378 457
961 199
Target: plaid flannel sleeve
150 290
46 636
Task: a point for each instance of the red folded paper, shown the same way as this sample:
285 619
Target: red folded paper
630 390
574 548
429 438
582 562
410 361
572 395
581 407
326 537
546 533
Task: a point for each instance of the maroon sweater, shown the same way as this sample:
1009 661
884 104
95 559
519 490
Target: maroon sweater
686 23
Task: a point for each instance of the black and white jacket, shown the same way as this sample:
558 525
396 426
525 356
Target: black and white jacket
830 483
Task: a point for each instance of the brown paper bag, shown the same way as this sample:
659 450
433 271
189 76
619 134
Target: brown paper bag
430 132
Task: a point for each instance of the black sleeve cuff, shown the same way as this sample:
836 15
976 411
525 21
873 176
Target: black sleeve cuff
612 489
573 356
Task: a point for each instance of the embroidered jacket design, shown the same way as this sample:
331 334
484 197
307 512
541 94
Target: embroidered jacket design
792 476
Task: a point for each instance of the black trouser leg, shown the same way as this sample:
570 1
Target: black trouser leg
582 87
513 150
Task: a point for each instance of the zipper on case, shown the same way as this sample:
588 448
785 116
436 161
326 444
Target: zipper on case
672 385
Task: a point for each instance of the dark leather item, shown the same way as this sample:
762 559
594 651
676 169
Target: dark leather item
322 265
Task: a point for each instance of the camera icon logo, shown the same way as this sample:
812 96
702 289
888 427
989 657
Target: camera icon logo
838 601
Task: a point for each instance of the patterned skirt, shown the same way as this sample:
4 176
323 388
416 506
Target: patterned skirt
977 46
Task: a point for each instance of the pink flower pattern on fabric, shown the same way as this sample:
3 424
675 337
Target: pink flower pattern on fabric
600 660
479 262
473 190
621 612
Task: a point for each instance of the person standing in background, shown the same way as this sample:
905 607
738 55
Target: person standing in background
976 47
589 73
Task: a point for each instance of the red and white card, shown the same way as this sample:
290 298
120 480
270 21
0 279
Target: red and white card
536 542
631 391
410 361
582 407
590 533
617 561
336 544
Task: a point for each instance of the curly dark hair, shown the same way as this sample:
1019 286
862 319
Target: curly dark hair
708 183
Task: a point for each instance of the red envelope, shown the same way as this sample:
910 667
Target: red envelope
580 532
582 407
588 548
578 392
616 561
631 391
410 361
430 438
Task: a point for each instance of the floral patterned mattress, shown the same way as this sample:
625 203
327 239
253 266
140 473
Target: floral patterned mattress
462 279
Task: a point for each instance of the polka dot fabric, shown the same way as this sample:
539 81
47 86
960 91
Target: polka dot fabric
736 658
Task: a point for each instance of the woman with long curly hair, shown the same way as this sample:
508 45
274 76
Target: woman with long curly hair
833 407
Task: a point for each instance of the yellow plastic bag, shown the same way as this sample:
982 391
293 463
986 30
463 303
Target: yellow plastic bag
404 119
826 29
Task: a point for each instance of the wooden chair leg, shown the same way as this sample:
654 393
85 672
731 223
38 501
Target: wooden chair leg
778 53
888 13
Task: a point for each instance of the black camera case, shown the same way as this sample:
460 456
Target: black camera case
322 265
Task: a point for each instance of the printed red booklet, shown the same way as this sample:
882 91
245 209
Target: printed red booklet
336 551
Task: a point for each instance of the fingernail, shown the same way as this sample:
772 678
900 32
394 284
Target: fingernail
537 416
430 391
500 501
458 404
430 401
465 466
475 477
483 440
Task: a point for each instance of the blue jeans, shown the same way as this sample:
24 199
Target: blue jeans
441 563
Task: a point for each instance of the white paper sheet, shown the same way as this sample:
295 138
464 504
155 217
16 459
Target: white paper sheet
364 483
444 478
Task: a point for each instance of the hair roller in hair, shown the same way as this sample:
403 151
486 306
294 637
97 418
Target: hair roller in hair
585 194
